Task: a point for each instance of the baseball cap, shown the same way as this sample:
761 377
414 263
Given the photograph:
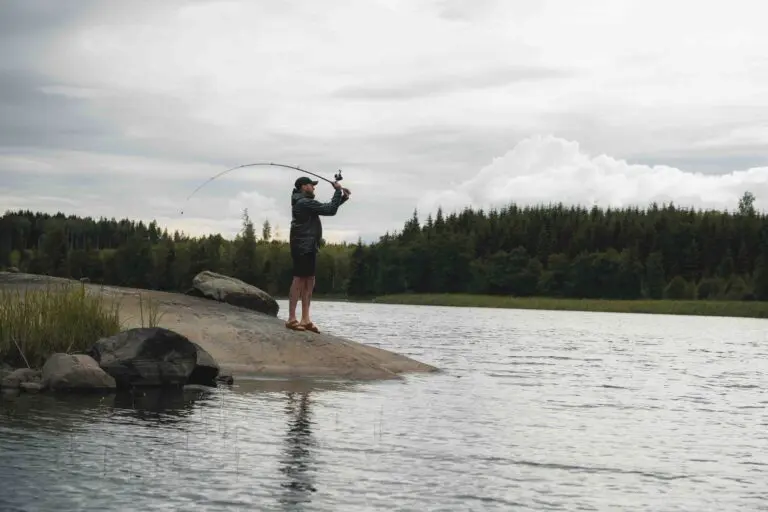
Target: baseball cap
304 181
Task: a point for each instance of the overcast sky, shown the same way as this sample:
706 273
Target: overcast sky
122 108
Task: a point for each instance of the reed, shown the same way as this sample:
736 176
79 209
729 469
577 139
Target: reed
751 309
34 323
150 313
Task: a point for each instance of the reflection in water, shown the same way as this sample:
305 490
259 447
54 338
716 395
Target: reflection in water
157 406
297 461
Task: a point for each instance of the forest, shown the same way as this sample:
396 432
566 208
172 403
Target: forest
659 252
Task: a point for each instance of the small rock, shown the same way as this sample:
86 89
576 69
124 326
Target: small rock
75 372
197 387
16 377
5 370
225 379
31 387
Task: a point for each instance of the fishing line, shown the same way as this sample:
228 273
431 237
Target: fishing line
337 177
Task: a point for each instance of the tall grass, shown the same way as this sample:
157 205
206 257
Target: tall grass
35 323
151 309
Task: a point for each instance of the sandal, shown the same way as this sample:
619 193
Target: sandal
310 327
294 325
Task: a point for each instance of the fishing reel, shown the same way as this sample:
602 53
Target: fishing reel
338 176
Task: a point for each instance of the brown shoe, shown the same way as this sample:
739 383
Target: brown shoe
310 327
294 325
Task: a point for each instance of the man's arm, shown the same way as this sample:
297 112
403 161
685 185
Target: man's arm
324 208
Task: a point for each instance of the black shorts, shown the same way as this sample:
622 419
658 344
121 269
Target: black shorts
303 263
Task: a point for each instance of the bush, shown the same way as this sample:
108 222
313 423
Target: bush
680 289
36 323
710 288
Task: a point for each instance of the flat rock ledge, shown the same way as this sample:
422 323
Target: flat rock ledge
243 342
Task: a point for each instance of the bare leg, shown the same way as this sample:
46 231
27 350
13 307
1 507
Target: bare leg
306 296
296 291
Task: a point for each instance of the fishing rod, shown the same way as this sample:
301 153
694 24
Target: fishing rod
337 177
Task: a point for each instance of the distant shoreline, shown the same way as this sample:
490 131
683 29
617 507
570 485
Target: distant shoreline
738 309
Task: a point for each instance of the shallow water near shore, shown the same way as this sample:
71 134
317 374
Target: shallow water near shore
534 410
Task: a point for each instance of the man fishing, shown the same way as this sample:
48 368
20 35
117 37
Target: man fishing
306 233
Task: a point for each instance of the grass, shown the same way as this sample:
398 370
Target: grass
153 313
751 309
34 323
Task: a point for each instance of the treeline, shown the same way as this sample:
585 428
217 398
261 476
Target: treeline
136 254
576 252
557 251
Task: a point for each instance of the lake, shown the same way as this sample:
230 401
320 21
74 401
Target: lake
535 410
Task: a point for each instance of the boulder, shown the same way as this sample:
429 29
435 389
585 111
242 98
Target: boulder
75 372
153 357
16 378
206 370
233 291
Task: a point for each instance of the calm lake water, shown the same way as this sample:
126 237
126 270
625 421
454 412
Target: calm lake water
536 410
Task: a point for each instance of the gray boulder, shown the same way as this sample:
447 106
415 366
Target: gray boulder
75 372
233 291
153 357
16 378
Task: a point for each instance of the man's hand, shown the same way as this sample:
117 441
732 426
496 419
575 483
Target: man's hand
346 192
336 185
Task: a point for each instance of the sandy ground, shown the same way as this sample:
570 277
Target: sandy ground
245 342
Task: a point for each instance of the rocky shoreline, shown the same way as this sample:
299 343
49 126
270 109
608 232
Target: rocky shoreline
148 357
206 337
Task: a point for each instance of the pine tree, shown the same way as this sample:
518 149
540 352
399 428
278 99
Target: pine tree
244 264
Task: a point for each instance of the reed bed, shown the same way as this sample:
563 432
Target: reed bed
35 323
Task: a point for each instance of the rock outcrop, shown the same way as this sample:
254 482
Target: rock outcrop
153 357
241 342
233 291
75 372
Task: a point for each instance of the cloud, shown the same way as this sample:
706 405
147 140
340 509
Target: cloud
474 80
123 109
547 169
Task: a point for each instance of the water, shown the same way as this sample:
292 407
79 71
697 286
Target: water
536 410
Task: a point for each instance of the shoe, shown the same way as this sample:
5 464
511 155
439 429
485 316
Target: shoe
294 325
310 327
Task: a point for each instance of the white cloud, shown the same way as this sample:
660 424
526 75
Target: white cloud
547 169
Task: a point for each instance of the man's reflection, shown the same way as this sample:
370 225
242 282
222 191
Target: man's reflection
298 460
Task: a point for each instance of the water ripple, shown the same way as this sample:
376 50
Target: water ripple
535 410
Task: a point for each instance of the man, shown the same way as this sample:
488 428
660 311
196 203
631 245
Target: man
306 232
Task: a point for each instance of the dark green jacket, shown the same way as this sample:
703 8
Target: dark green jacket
306 228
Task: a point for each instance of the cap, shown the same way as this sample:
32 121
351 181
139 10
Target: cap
304 181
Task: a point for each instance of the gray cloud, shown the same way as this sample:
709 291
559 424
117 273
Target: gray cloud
35 18
450 83
29 117
101 107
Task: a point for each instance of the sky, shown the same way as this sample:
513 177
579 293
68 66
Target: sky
123 109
